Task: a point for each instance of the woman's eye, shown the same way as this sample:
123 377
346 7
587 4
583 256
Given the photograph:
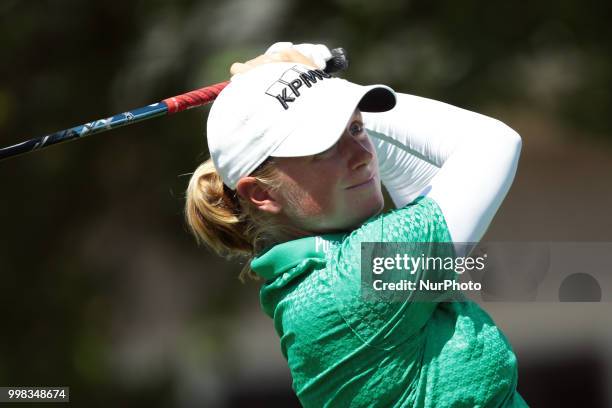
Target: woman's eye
356 128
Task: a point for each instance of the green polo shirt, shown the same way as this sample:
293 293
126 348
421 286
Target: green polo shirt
344 351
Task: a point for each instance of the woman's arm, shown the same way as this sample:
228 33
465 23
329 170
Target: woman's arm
463 160
404 173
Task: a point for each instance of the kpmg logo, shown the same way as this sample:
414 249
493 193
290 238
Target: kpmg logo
287 88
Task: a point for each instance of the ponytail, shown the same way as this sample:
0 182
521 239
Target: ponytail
225 222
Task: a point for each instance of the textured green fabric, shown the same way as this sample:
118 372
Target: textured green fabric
343 351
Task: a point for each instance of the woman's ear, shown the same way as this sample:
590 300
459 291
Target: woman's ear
250 189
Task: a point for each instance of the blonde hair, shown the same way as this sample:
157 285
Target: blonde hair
225 222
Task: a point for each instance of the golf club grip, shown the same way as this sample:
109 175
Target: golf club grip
174 104
338 62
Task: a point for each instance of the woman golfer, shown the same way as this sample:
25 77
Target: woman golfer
294 184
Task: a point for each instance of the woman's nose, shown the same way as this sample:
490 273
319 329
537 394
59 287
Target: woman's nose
358 153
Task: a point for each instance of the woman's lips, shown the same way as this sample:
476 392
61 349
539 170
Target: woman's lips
369 180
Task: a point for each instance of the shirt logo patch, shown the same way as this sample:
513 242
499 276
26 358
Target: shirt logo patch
322 245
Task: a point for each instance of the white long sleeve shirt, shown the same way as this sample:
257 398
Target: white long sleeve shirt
463 160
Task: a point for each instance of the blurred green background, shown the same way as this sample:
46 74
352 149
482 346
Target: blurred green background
103 290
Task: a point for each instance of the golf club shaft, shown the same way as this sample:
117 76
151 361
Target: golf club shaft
175 104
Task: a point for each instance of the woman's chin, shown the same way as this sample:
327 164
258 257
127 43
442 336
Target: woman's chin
367 209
